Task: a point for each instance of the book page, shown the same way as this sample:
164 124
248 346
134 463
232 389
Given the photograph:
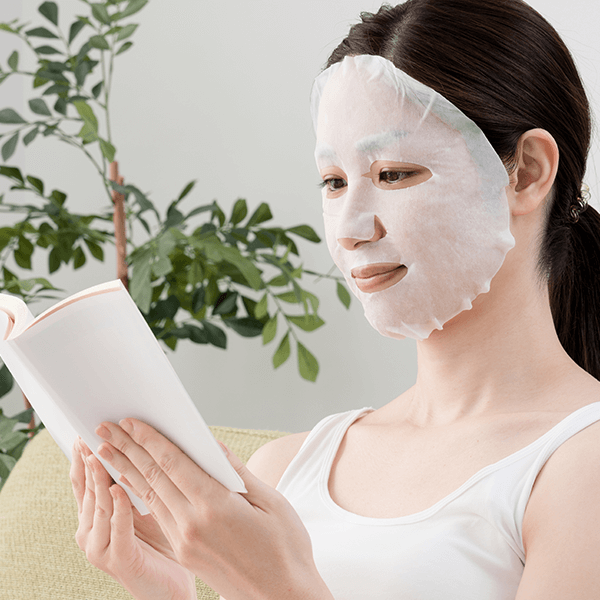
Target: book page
97 360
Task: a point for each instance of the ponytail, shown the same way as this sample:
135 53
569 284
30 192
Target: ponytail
572 253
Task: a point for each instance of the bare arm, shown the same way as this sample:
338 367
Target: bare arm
561 531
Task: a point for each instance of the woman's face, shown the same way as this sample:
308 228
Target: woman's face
409 217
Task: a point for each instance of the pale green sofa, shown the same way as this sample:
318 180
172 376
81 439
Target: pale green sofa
39 559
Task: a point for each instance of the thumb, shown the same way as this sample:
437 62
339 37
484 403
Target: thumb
254 486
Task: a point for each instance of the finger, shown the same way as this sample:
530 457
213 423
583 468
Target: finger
103 507
188 478
86 518
144 483
122 528
257 490
77 475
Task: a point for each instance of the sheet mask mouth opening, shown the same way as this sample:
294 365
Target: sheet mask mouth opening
376 278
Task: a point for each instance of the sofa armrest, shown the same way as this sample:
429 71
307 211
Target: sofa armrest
39 557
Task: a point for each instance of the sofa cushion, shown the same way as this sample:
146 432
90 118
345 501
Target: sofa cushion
39 557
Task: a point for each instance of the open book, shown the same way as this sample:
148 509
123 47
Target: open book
93 358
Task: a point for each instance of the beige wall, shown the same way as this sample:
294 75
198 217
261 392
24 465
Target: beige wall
218 91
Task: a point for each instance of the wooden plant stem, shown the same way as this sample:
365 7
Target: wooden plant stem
31 424
119 222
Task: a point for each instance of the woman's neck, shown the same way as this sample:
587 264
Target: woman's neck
503 355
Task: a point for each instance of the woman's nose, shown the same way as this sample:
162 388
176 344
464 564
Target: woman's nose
349 243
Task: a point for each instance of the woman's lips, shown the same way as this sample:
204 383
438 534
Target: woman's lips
378 277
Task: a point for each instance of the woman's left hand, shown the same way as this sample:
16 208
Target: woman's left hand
244 546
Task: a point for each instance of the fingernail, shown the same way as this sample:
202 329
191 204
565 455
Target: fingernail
225 448
126 426
105 453
103 432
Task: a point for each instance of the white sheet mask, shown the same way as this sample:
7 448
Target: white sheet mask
435 228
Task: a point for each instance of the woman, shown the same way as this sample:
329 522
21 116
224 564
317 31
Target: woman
481 481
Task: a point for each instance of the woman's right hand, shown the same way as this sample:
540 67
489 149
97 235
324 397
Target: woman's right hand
115 538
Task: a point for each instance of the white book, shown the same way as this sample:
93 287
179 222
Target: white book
93 358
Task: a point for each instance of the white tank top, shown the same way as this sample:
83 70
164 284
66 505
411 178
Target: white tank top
467 546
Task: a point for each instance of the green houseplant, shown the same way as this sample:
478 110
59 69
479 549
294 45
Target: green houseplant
199 272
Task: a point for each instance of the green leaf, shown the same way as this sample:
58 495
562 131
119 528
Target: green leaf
226 303
162 267
198 299
13 173
41 32
186 190
270 329
343 294
307 364
47 50
97 89
278 281
56 88
88 133
200 209
100 13
283 351
8 149
260 215
82 70
290 297
87 114
13 61
140 286
6 381
218 252
197 335
124 48
108 150
126 32
50 11
96 251
54 260
6 465
245 326
98 41
57 198
23 253
39 107
216 336
76 27
60 106
306 232
10 117
307 322
174 217
260 310
167 308
240 210
36 183
133 7
78 258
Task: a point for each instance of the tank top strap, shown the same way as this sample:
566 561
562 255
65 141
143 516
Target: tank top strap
553 439
306 468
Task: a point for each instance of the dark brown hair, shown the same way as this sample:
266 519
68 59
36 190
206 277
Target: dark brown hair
508 70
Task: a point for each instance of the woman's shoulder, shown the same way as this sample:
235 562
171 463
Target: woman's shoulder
270 461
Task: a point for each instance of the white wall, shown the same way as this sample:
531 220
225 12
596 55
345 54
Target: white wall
218 91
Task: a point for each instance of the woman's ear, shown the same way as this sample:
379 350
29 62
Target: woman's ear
538 157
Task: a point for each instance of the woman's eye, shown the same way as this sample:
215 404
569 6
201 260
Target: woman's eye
394 176
333 184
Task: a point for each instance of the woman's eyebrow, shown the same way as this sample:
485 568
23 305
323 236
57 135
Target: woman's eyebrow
325 152
379 141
